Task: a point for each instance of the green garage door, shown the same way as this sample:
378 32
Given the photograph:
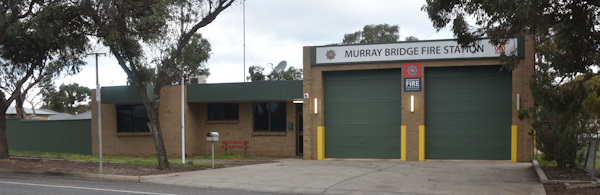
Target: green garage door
468 113
362 113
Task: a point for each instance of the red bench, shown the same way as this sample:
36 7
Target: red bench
236 144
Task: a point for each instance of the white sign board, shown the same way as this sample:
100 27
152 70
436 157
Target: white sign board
410 51
97 94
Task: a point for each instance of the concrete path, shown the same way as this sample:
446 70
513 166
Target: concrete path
366 177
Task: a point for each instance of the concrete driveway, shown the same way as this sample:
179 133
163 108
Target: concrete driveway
366 177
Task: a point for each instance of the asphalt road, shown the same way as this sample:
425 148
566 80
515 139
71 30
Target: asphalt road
44 184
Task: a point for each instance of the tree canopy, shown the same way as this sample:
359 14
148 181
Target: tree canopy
567 41
256 74
381 33
569 28
71 98
38 39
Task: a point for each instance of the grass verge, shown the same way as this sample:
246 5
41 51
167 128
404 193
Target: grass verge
133 160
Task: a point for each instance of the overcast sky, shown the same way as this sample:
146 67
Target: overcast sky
277 30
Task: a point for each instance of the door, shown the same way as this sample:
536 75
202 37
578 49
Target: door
300 130
468 113
363 113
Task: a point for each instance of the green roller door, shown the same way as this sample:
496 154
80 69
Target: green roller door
468 113
362 113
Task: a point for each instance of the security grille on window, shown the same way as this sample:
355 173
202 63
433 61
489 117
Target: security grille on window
223 111
269 116
132 119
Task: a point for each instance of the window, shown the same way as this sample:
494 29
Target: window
223 111
269 116
132 118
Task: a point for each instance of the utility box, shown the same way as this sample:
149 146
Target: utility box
212 136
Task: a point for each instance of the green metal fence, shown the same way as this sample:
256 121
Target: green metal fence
64 136
589 161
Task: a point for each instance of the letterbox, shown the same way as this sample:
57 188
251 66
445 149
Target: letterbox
212 136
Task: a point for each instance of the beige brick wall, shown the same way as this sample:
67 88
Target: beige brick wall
277 144
142 144
521 76
313 84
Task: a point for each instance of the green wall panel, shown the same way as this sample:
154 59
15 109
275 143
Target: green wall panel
468 113
363 114
124 94
64 136
248 91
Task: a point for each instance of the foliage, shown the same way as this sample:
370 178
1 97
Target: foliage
191 63
169 29
38 39
71 98
256 74
380 33
567 41
194 57
562 147
570 27
544 162
291 73
411 38
591 103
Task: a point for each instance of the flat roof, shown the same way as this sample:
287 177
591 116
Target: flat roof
219 92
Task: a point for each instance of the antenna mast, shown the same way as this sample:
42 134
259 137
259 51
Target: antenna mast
244 8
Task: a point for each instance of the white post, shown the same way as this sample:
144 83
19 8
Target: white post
412 103
98 100
518 102
213 154
182 122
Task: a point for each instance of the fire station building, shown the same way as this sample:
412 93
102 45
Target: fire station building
414 101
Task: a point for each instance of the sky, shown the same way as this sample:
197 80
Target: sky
277 30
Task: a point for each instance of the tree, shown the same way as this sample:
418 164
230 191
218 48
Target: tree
381 33
591 103
71 98
167 27
256 74
290 74
38 39
411 38
567 41
14 11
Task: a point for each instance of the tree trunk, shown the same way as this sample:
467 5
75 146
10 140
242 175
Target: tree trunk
154 124
3 141
159 145
19 106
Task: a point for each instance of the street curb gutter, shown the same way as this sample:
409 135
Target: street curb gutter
108 177
540 173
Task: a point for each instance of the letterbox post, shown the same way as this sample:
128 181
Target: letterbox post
212 137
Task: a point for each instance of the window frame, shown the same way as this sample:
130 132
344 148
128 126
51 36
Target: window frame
131 119
224 112
270 117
